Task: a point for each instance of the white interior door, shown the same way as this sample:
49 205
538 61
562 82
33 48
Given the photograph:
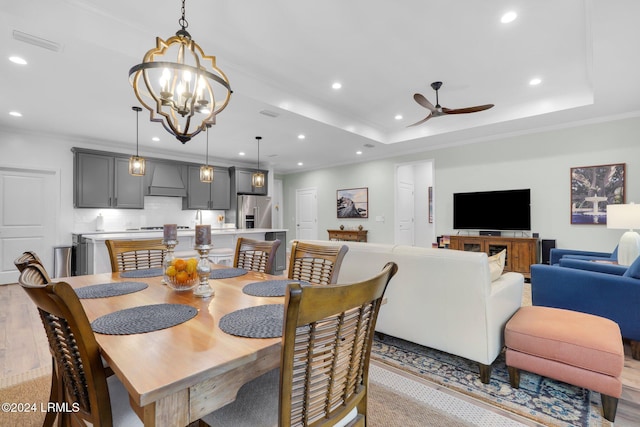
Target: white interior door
27 218
405 214
306 214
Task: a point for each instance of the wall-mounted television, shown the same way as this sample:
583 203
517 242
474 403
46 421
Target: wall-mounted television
492 210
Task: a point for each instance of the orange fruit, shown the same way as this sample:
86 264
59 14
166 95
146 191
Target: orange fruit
171 271
182 277
180 264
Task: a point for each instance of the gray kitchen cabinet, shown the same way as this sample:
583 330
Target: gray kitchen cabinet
202 195
241 181
103 181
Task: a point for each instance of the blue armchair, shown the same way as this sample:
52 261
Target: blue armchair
613 296
556 254
594 265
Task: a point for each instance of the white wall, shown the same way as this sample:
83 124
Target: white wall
539 161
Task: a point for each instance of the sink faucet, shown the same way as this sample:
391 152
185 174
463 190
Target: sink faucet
199 216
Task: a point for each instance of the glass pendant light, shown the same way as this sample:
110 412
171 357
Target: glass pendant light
206 171
257 179
137 164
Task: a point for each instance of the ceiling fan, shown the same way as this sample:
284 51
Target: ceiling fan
441 111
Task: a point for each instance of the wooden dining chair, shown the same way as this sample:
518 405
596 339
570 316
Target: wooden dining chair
318 264
135 254
324 371
80 379
27 257
256 255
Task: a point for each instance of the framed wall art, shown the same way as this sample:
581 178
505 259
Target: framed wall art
592 189
353 203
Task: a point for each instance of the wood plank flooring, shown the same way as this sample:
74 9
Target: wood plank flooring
24 350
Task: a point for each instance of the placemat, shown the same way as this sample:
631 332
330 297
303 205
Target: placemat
146 318
226 273
262 321
270 288
104 290
137 274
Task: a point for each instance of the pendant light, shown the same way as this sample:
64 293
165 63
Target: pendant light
257 179
137 164
206 171
176 82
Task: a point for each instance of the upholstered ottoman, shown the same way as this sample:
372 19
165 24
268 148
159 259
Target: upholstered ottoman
576 348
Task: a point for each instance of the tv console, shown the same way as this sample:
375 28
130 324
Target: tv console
521 251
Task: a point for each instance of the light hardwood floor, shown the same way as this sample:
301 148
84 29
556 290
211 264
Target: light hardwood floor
24 352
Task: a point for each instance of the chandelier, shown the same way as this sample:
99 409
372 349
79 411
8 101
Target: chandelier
176 82
137 164
257 178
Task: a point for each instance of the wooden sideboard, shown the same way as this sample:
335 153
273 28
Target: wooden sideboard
350 235
521 251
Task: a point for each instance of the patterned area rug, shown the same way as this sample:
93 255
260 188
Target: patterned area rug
540 399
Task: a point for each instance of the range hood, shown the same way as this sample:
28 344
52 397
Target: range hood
167 181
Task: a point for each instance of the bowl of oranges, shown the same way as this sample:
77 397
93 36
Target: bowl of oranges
181 274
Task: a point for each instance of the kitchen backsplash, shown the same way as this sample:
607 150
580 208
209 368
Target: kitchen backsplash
157 212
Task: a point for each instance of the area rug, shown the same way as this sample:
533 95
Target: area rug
540 399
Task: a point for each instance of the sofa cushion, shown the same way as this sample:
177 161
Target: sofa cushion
633 270
496 264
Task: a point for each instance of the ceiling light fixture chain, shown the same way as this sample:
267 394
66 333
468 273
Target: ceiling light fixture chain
176 83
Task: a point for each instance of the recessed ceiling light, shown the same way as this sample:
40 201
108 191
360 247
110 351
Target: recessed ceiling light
15 114
241 153
17 60
301 136
336 85
398 117
508 17
535 81
300 163
155 139
358 152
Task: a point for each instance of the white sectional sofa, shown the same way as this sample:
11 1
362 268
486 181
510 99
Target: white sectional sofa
440 298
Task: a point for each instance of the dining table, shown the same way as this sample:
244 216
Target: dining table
178 374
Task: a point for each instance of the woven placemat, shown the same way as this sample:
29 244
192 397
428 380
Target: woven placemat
104 290
137 274
262 321
226 273
146 318
270 288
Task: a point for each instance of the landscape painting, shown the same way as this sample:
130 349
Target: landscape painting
353 203
592 189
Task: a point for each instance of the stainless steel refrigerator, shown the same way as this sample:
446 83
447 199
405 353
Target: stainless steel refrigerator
254 212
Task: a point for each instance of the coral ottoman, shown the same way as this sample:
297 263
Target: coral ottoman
569 346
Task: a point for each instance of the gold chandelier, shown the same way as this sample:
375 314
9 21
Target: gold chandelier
176 82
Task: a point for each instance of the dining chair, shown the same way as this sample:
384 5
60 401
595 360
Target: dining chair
318 264
323 377
80 379
256 255
135 254
29 257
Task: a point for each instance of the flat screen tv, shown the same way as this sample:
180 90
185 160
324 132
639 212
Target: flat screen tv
492 210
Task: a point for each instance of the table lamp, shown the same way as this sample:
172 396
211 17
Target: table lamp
625 217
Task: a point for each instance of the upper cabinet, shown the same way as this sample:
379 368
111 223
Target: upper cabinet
103 181
241 181
202 195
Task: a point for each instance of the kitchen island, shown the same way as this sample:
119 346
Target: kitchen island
97 254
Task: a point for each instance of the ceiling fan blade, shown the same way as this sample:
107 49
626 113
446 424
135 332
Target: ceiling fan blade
421 121
420 99
467 110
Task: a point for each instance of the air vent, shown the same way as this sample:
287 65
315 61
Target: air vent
269 113
369 145
37 41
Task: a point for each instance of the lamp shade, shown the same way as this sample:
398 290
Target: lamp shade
623 216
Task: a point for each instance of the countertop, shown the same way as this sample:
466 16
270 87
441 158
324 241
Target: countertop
150 234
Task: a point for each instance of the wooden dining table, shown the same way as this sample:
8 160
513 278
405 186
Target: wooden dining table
176 375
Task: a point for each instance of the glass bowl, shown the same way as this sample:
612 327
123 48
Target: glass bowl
181 275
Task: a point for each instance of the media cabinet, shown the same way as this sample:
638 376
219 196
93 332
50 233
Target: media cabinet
521 251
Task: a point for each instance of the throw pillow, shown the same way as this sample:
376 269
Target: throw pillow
633 270
496 264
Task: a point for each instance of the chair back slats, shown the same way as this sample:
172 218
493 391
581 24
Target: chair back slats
135 254
256 255
328 333
317 264
78 366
